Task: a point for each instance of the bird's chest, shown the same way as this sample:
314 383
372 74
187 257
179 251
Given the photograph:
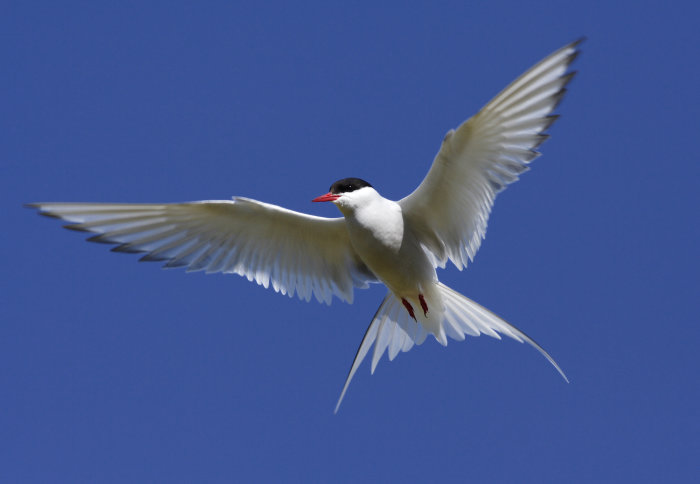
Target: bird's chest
377 231
381 240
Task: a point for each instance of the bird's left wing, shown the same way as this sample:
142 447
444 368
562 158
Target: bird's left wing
291 251
449 210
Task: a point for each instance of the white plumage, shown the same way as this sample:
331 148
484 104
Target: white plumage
399 243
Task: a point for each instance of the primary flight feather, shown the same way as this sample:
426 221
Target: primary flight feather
399 244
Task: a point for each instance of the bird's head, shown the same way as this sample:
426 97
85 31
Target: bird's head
348 194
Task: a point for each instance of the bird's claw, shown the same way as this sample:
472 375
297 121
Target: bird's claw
423 305
409 308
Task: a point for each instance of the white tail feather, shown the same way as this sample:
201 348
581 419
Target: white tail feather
393 328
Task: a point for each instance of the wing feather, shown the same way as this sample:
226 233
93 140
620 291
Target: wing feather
294 252
449 210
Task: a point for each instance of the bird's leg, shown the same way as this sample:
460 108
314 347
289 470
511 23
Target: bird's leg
409 308
423 305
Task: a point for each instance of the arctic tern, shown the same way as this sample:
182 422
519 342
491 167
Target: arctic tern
397 243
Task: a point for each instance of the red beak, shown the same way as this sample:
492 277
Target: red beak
328 197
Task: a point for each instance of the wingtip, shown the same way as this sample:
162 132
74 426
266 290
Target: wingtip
578 41
125 249
575 54
575 45
41 210
151 257
101 239
48 214
74 227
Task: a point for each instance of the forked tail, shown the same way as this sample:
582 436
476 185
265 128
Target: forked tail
394 330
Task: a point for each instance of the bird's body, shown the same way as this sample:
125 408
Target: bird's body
389 248
398 243
380 236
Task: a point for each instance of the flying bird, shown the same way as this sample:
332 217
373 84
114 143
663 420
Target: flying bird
397 243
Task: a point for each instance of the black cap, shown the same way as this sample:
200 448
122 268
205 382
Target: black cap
348 185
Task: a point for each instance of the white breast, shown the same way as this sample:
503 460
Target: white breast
380 237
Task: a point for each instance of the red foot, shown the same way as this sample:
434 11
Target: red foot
409 308
423 305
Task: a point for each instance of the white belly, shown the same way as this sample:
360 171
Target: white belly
383 242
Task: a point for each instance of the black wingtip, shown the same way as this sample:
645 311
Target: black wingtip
540 138
568 77
125 249
574 55
550 120
49 214
101 239
37 206
153 258
76 227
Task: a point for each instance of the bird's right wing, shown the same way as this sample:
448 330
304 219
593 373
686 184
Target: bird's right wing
268 244
450 209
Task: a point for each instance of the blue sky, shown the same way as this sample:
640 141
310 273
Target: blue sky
117 371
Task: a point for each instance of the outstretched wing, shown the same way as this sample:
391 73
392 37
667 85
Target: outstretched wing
292 251
449 210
